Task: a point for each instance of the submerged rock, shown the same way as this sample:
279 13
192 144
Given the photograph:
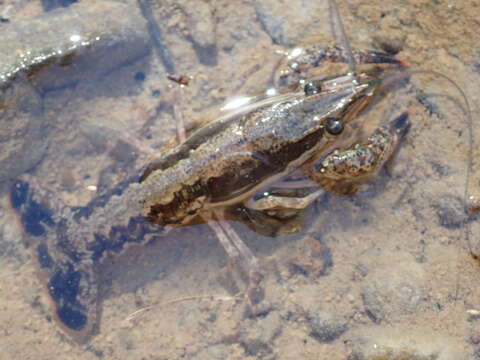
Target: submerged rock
326 327
53 52
395 290
450 211
257 339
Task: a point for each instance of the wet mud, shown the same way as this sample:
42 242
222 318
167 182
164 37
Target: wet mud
385 274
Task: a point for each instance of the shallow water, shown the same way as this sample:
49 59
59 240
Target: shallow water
389 266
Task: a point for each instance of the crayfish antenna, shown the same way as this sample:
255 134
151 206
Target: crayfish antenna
465 108
338 31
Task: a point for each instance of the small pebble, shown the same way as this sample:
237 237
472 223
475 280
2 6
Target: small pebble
450 211
326 327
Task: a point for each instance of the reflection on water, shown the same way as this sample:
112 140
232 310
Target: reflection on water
387 266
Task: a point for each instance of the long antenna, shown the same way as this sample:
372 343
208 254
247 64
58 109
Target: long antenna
471 141
340 34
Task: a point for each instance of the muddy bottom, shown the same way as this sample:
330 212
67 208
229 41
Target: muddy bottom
384 274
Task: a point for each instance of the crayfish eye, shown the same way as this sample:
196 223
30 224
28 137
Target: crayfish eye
334 126
312 88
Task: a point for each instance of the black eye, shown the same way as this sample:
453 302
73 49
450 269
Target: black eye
334 126
312 88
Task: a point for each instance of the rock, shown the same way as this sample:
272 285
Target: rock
391 45
52 52
257 339
314 259
393 290
385 343
450 211
89 42
327 327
